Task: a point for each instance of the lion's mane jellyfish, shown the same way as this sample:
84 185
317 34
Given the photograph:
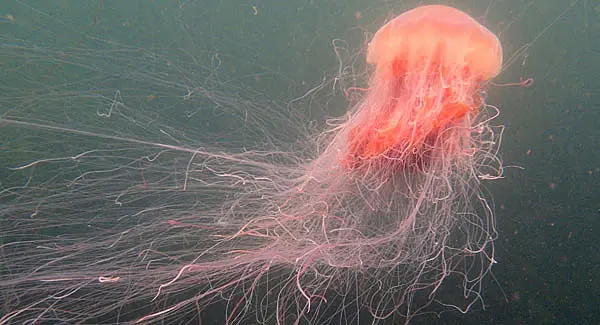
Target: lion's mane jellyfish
382 210
430 64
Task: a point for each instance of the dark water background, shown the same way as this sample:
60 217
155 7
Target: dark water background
547 211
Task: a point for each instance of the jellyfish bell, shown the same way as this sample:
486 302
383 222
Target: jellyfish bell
440 33
430 63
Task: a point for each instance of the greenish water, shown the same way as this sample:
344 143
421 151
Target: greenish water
68 62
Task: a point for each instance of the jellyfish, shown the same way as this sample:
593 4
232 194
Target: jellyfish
378 214
430 63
